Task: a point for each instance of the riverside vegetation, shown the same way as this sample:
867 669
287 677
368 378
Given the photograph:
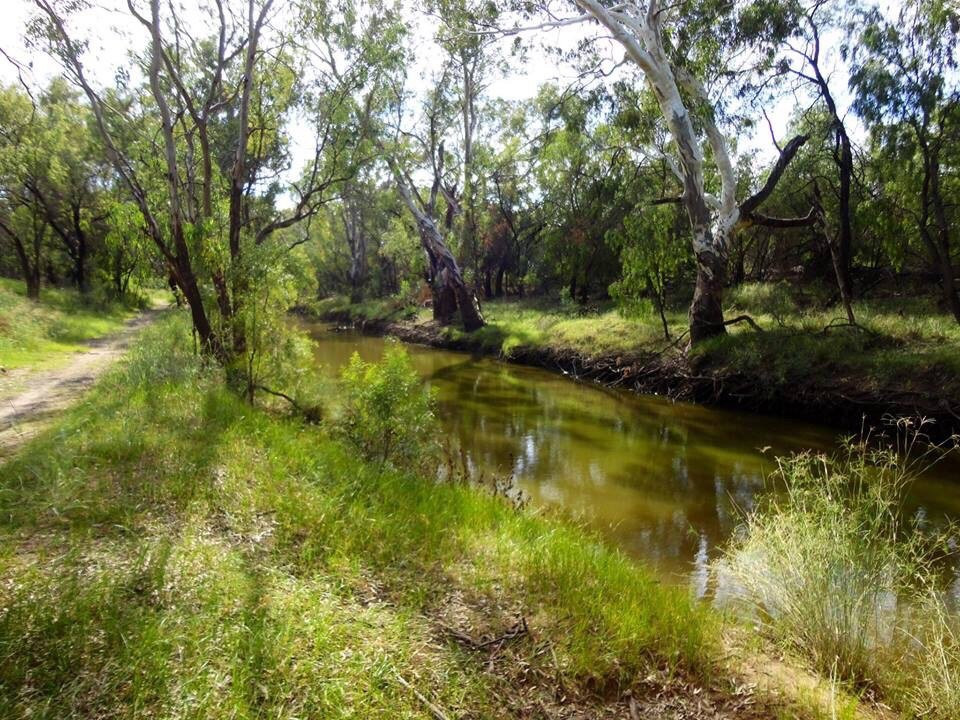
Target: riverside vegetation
170 550
692 207
902 359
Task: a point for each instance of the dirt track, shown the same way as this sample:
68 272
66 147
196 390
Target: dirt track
28 400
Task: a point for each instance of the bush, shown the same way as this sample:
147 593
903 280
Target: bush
772 299
387 414
829 568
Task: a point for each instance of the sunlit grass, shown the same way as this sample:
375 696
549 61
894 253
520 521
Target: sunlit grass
902 344
831 570
172 551
35 334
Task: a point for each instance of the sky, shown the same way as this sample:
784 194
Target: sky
111 32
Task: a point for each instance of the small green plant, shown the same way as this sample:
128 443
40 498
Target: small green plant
387 413
830 568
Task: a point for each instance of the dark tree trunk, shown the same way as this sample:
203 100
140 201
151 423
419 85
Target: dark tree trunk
29 266
487 284
33 286
841 271
706 310
469 308
947 275
80 250
444 303
498 288
658 300
845 245
83 284
949 282
187 282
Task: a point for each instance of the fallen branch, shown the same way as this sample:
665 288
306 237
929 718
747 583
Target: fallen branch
833 325
437 712
519 629
309 414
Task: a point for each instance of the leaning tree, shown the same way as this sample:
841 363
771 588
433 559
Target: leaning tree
423 149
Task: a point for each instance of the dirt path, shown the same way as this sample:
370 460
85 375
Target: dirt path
29 400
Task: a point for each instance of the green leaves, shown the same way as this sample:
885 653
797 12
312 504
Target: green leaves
387 413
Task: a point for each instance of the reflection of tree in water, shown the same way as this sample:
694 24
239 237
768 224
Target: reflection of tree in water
574 446
663 480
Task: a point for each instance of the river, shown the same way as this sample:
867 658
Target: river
665 481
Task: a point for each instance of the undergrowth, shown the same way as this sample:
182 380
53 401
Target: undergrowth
901 345
36 333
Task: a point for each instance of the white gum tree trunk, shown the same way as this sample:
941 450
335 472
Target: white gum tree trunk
712 220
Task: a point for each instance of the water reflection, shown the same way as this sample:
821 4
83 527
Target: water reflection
666 481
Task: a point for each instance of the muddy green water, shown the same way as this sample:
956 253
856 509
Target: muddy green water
665 481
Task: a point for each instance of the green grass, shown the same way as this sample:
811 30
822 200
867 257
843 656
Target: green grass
590 331
906 344
168 551
34 334
831 570
376 309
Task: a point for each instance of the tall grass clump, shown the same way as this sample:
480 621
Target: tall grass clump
831 567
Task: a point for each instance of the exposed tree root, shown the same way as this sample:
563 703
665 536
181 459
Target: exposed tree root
744 318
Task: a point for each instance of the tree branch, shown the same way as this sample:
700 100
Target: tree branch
749 205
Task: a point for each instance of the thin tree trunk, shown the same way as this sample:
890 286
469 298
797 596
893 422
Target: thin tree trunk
943 240
836 255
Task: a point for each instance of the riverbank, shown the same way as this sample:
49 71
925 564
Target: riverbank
903 360
170 550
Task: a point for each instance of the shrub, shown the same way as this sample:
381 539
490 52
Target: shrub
829 567
772 299
387 414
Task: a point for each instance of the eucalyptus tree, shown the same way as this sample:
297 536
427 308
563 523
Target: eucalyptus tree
580 169
71 188
680 50
792 37
475 60
212 93
517 219
421 149
22 224
905 79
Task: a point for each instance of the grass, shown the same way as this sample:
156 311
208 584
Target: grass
169 551
34 334
590 331
829 569
375 309
905 344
